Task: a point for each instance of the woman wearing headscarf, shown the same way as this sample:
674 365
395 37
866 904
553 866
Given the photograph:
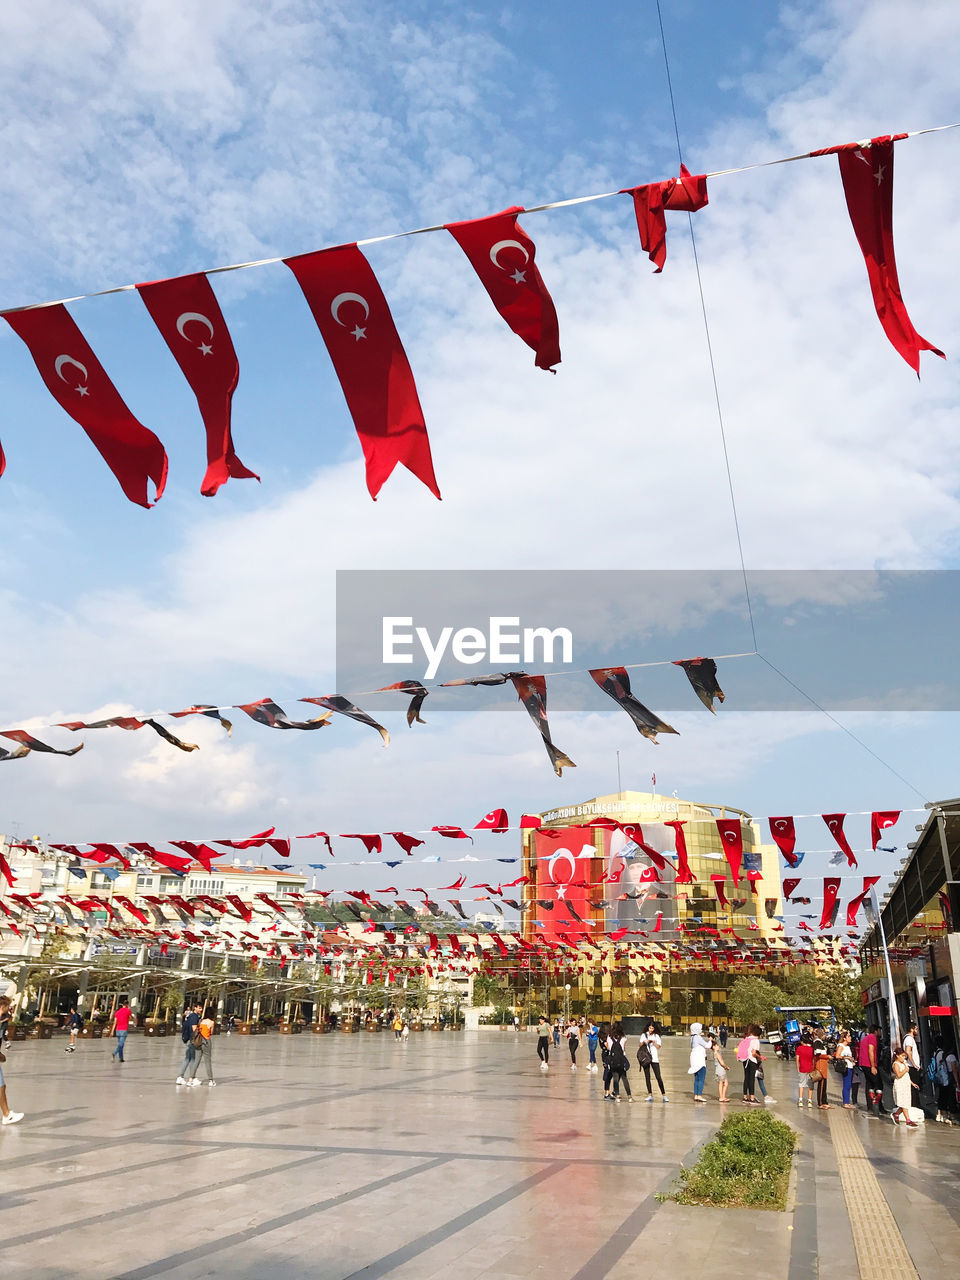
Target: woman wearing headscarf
699 1047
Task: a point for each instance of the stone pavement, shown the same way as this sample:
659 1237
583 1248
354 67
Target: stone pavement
339 1157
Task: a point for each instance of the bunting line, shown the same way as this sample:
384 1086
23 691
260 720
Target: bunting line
427 230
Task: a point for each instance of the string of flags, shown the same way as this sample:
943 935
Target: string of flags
531 691
361 338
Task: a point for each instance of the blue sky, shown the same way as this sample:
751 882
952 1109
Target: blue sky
144 141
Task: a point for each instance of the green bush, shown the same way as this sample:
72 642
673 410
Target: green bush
746 1164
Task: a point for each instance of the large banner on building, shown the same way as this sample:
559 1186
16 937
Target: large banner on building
568 871
634 890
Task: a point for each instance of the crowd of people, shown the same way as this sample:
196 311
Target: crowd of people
608 1040
860 1061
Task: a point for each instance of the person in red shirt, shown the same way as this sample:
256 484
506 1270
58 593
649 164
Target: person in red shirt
120 1027
805 1064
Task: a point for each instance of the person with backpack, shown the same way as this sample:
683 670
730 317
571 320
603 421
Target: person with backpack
188 1030
648 1057
698 1060
74 1025
946 1080
202 1042
843 1065
619 1062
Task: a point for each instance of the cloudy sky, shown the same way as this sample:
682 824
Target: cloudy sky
145 141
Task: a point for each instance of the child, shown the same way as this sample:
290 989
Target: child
805 1062
901 1089
720 1070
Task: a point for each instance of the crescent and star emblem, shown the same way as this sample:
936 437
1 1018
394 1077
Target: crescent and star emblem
185 318
518 276
81 389
357 331
551 865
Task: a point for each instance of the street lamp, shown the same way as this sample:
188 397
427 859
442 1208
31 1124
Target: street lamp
566 1003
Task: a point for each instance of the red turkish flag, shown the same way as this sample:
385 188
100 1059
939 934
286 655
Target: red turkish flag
867 175
789 887
502 254
687 193
355 322
77 381
718 883
834 822
201 852
563 876
784 837
684 874
879 822
495 820
731 833
187 313
831 887
854 905
529 821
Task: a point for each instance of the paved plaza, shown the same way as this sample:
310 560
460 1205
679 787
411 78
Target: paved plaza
346 1156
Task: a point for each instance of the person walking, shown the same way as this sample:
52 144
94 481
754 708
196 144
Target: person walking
748 1053
74 1024
720 1070
867 1058
6 1115
543 1043
648 1057
911 1048
698 1060
900 1067
120 1027
843 1062
593 1037
619 1062
556 1034
573 1044
188 1030
203 1044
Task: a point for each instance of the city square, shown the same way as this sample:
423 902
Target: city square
342 1156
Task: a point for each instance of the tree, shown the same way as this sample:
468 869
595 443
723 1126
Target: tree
753 1000
486 990
841 988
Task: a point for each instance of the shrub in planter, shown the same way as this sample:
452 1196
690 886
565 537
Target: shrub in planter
747 1165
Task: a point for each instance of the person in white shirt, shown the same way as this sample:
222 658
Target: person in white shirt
912 1050
648 1057
573 1043
698 1060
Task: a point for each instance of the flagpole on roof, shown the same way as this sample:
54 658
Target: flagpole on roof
619 783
